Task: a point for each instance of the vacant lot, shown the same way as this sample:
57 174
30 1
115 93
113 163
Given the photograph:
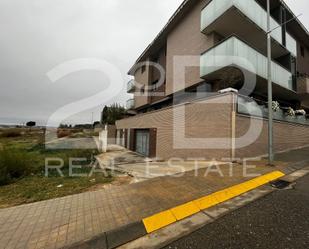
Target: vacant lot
22 169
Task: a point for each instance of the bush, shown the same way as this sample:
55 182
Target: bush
63 133
14 164
10 133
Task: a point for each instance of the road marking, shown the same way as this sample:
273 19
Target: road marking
170 216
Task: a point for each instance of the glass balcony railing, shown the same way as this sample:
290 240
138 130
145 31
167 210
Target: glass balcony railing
252 10
233 51
130 86
291 44
130 104
248 106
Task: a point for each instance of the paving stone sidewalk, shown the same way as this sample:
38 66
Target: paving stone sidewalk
60 222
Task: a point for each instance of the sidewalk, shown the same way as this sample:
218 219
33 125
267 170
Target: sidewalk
65 221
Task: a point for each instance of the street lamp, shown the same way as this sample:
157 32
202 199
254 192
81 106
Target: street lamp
270 88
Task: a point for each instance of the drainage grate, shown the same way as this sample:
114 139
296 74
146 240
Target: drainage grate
280 184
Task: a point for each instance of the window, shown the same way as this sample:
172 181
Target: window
143 68
302 51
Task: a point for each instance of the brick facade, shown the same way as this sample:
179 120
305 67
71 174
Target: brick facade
286 136
210 118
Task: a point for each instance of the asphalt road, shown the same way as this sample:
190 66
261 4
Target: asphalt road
279 220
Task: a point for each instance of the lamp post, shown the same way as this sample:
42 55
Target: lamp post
270 90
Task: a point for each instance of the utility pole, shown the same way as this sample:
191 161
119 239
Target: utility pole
270 90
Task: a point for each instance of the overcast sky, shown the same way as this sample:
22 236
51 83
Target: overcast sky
39 35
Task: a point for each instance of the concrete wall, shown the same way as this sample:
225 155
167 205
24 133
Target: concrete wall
111 134
286 136
210 118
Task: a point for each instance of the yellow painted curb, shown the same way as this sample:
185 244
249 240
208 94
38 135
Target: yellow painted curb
261 180
238 189
249 185
223 195
185 210
274 175
170 216
158 221
206 202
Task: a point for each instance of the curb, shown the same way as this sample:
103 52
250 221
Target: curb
169 234
295 167
177 215
113 238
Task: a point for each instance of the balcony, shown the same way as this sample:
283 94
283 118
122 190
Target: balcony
226 57
246 19
131 86
130 104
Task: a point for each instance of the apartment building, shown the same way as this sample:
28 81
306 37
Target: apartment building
208 46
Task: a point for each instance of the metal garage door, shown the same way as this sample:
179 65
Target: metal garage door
142 142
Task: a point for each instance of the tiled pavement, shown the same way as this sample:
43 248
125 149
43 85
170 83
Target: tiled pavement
64 221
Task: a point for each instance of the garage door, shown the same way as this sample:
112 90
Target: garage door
142 142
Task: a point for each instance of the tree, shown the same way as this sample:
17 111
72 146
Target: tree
96 123
30 124
104 115
63 126
112 113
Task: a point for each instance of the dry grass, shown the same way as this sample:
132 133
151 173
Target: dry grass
22 168
61 133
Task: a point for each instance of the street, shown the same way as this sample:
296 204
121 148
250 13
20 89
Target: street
279 220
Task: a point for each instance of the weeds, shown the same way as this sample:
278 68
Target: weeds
22 170
14 164
10 133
